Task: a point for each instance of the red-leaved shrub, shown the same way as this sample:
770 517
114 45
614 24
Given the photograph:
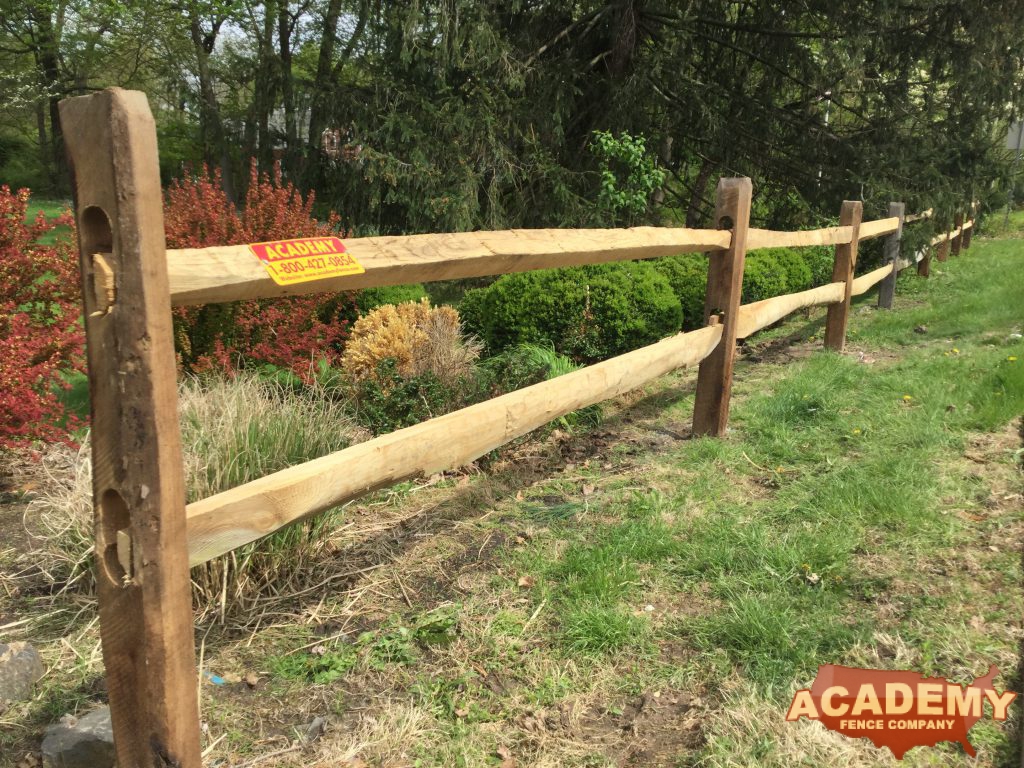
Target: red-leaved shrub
288 332
40 334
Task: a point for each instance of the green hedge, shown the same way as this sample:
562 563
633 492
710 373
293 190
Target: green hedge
372 298
688 276
819 259
763 277
588 313
471 311
595 312
794 266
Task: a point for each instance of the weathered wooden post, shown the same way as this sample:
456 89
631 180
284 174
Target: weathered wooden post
942 249
842 271
138 484
725 286
887 290
958 227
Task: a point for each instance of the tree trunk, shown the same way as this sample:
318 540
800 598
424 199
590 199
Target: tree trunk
265 91
694 212
284 42
47 46
215 150
322 81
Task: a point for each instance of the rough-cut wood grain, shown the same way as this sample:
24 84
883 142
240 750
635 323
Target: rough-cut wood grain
722 299
887 291
138 478
228 520
918 216
942 248
761 314
208 275
767 238
868 280
842 271
877 228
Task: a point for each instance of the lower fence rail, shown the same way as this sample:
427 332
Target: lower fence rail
228 520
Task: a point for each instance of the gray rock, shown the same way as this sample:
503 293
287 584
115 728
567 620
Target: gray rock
83 742
20 667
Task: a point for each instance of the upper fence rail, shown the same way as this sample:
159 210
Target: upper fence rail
233 272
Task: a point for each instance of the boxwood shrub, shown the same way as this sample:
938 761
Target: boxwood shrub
372 298
819 259
688 276
471 311
763 277
589 313
794 266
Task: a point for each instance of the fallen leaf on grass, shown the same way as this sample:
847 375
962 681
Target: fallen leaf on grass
507 761
588 490
526 582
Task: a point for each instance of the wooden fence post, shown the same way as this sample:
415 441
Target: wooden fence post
958 223
887 290
725 286
924 266
965 241
842 271
942 250
142 576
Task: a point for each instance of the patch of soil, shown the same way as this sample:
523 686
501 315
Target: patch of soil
650 731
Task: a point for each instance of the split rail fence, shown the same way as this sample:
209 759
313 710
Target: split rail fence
146 536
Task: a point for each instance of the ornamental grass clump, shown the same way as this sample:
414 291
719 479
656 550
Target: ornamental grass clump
233 430
420 339
409 362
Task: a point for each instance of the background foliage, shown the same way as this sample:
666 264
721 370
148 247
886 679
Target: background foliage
443 115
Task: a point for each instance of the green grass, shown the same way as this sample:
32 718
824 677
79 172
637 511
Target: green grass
51 209
851 488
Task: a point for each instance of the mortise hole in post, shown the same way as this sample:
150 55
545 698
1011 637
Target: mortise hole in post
114 519
95 235
725 222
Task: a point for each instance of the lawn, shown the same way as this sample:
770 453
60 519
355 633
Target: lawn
51 209
628 596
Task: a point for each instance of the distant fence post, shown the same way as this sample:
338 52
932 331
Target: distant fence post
887 290
725 285
141 561
942 249
924 266
842 271
955 244
965 241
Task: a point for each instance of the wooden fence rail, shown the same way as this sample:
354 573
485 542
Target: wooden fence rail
146 538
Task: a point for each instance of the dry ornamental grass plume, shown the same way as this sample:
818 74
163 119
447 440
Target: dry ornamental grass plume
419 338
